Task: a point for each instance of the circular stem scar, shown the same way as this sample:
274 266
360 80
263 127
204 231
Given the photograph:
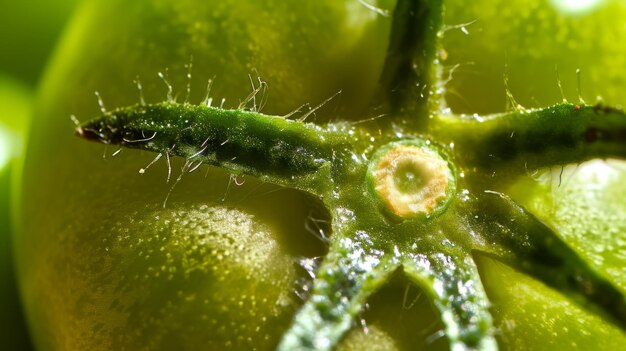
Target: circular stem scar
411 179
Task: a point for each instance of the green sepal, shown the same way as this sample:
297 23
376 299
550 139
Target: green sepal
523 140
454 287
272 148
533 247
343 282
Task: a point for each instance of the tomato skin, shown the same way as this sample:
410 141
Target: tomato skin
534 43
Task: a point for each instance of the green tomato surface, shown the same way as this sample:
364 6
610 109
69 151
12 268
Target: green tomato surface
104 265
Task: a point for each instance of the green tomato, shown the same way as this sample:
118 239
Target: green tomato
104 265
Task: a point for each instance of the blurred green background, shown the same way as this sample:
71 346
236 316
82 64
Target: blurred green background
485 40
28 32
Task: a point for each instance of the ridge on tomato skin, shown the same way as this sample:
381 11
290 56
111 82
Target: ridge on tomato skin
108 191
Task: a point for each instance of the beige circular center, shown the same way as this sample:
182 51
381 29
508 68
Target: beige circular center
411 181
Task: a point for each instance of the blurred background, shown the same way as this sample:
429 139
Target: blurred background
28 32
526 41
